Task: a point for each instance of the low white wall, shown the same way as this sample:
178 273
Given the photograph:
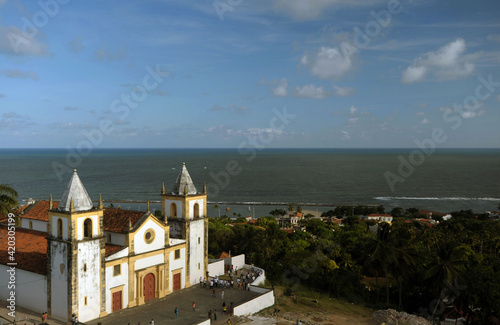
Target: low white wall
216 268
257 289
30 288
261 278
255 305
205 322
236 261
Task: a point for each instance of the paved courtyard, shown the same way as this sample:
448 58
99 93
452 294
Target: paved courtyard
162 310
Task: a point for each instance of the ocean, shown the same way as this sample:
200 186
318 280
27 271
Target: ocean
259 181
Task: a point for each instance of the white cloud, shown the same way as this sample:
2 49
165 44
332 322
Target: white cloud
420 113
494 37
76 45
425 121
239 109
311 91
108 55
353 110
345 135
281 90
413 74
343 91
14 42
21 74
329 62
447 63
310 9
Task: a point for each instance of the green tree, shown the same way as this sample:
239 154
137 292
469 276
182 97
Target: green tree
8 199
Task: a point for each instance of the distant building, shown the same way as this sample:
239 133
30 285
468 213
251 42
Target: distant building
429 214
76 258
291 220
380 217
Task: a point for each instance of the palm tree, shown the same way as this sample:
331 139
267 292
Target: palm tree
8 199
385 255
447 265
290 207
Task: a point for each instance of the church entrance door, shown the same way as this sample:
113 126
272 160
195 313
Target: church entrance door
117 301
177 281
149 286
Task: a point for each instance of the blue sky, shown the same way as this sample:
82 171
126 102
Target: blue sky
235 73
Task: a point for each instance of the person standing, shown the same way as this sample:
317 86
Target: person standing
176 311
210 315
215 315
152 322
194 306
222 294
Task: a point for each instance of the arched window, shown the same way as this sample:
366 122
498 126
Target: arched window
59 228
87 228
196 210
173 210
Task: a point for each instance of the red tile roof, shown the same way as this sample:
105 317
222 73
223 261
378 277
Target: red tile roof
111 249
31 250
222 255
116 220
38 210
427 212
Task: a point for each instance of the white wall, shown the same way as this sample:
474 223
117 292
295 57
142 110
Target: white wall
149 261
89 282
255 305
216 268
205 322
65 227
197 251
140 245
175 265
236 261
178 208
59 280
30 289
116 239
79 226
191 208
116 281
37 224
261 278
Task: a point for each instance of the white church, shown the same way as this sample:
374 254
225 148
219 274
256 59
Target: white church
74 258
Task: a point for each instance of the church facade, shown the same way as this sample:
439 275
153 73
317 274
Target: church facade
75 258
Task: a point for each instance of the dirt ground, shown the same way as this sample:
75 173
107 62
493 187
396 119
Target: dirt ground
312 308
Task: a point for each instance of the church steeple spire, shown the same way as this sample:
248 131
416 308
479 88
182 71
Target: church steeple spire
100 206
184 182
51 203
76 193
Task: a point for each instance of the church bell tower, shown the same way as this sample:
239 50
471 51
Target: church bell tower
76 252
185 209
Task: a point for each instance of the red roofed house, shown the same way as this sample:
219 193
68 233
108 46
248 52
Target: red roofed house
75 258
